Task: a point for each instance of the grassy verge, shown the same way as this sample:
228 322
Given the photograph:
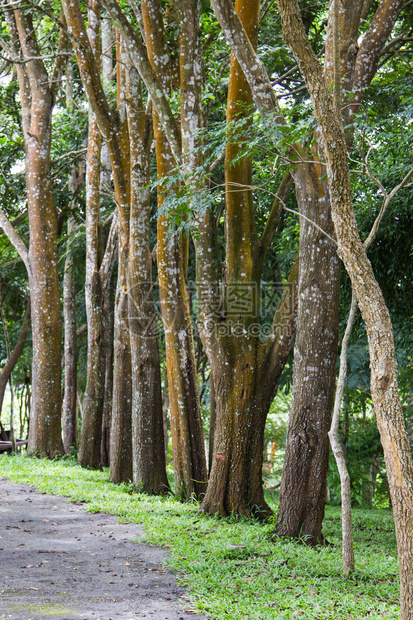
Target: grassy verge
231 568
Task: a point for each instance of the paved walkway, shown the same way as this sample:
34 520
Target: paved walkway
59 561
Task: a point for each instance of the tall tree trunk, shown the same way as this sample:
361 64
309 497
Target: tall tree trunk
69 407
188 448
149 466
304 477
245 370
121 428
37 98
91 431
108 334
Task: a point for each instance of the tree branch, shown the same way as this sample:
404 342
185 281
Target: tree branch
261 87
15 240
137 52
274 217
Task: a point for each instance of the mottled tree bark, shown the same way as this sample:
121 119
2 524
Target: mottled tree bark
148 454
90 439
245 370
69 407
37 97
121 427
304 477
108 334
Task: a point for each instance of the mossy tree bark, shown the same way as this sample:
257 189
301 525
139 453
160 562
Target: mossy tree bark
245 369
98 273
69 406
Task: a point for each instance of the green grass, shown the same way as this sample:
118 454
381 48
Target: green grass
230 567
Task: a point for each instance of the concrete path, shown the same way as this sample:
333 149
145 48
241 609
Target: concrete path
59 561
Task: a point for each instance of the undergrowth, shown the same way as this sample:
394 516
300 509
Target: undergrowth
230 567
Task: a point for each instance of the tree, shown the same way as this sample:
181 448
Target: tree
246 370
37 93
369 296
98 276
224 353
302 494
124 147
190 469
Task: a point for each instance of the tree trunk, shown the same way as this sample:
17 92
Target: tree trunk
188 448
91 431
304 477
148 454
245 378
42 262
69 407
212 421
235 484
339 449
108 334
121 428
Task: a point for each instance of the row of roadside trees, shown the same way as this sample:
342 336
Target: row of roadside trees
228 146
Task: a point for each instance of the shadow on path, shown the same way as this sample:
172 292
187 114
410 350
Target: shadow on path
59 561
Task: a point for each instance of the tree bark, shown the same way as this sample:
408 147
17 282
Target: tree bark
188 449
37 99
121 427
149 466
121 430
90 439
304 477
69 408
108 334
246 372
338 448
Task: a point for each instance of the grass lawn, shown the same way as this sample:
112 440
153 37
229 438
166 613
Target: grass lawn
230 567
